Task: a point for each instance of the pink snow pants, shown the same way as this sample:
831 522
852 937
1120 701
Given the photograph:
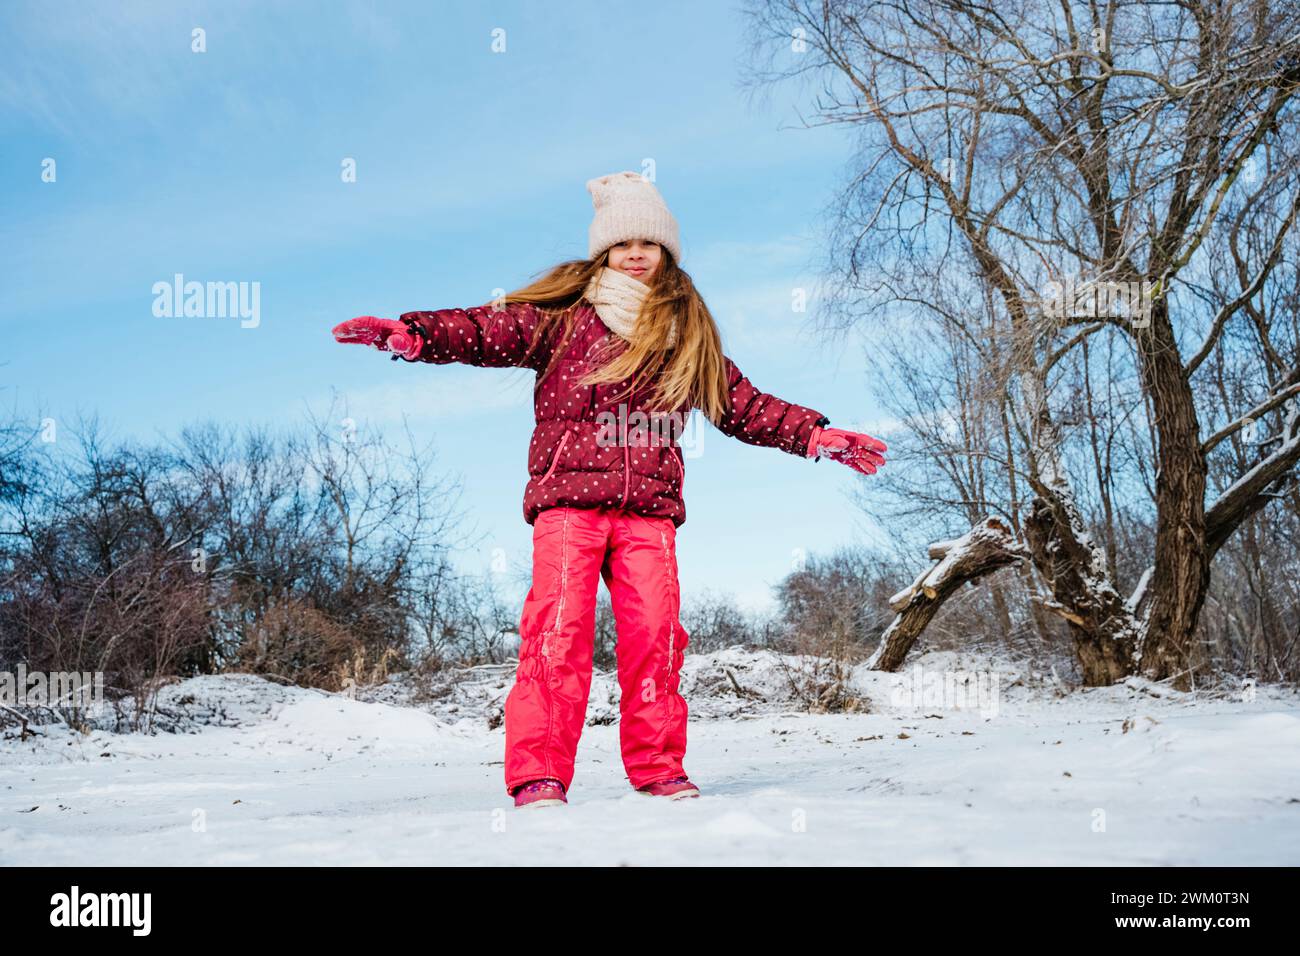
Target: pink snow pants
546 709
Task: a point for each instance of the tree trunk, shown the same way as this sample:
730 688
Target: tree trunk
1182 566
1104 632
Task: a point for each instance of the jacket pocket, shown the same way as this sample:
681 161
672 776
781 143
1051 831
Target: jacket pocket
555 458
681 470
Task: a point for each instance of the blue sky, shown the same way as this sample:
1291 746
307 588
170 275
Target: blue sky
471 171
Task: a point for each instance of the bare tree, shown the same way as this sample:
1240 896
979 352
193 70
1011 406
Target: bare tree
1066 171
316 556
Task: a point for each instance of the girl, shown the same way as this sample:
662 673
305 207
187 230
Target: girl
624 347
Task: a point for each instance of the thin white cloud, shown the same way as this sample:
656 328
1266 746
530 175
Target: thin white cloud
437 394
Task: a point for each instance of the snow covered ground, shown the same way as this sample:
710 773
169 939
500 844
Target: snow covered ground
259 773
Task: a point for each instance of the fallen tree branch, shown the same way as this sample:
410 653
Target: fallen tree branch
987 547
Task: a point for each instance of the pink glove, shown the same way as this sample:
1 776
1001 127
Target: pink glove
860 452
401 339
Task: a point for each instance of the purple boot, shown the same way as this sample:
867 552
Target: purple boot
540 793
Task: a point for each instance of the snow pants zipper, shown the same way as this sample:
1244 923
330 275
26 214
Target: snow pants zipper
627 472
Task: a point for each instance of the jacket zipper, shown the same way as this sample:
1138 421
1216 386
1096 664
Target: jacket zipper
555 459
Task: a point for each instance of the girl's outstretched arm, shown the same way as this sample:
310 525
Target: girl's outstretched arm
485 335
758 418
762 419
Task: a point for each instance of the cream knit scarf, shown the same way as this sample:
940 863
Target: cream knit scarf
617 298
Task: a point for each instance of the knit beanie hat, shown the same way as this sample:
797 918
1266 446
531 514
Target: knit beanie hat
629 207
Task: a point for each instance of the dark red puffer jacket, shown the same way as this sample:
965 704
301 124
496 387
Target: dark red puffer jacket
580 455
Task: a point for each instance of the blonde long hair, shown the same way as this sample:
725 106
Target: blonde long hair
693 370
